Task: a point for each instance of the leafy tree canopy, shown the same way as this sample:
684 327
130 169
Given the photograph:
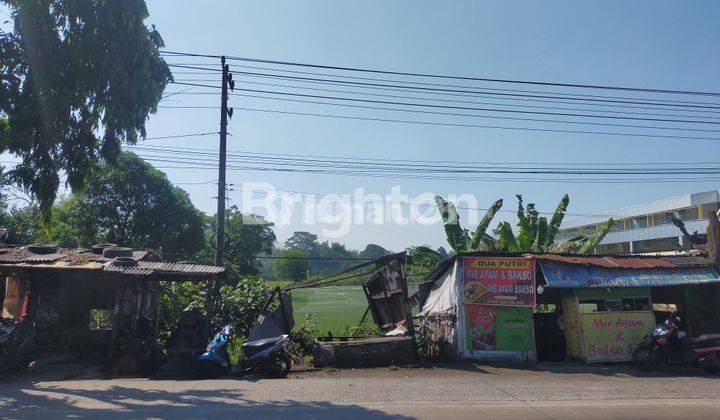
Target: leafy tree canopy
78 78
302 240
246 236
131 204
291 264
373 251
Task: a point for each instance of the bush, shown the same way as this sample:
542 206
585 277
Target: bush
302 340
241 304
175 297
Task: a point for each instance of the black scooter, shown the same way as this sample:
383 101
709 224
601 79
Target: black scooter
665 345
268 356
16 343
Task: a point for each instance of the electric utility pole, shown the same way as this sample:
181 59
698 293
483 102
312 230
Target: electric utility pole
224 114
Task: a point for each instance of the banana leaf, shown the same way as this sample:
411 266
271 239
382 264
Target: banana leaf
597 237
532 217
424 257
507 240
571 246
479 233
522 220
557 219
457 237
541 236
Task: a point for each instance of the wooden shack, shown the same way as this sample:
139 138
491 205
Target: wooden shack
104 300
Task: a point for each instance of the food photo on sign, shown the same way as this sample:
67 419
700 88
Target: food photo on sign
481 327
499 281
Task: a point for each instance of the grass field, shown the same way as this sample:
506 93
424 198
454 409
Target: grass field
335 307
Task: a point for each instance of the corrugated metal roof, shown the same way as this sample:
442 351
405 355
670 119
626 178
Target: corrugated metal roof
67 258
629 261
147 268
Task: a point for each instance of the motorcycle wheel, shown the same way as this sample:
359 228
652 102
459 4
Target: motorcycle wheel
647 357
278 366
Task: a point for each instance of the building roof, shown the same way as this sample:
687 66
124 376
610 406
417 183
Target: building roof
629 261
14 258
657 206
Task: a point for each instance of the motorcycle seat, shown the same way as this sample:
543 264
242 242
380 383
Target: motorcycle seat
261 344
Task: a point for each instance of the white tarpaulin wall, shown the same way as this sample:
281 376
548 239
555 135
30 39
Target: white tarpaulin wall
446 295
443 295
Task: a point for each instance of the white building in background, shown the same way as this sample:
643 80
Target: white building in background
647 227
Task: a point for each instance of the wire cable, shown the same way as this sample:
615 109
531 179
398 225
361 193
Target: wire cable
441 76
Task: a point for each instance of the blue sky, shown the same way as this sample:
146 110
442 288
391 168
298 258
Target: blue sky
663 44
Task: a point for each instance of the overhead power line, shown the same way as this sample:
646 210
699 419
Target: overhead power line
453 101
465 125
482 88
427 166
485 94
200 163
453 77
540 120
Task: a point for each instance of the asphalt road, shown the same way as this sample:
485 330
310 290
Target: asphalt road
449 392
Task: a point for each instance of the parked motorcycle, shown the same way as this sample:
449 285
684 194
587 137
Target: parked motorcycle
268 356
15 343
666 344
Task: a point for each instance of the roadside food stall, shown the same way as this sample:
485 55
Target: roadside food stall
490 300
606 305
528 307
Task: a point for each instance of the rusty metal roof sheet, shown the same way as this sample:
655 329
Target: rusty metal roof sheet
635 262
144 268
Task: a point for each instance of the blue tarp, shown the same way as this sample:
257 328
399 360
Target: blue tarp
581 276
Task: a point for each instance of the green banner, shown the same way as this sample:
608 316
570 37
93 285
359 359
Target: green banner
514 329
502 328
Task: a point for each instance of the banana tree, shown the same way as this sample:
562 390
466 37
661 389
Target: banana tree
534 232
460 239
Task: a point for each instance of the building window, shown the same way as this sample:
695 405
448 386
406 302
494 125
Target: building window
711 207
657 245
618 225
638 222
614 249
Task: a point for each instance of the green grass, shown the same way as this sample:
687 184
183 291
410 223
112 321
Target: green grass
335 307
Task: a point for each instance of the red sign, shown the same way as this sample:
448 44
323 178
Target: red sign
499 281
481 327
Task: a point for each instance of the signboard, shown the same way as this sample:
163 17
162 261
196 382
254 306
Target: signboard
612 336
577 276
499 281
501 328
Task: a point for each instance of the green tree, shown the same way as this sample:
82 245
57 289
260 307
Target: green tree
22 222
291 264
79 78
246 237
374 252
330 258
302 240
131 204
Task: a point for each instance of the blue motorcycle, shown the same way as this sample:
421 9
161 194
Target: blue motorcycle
268 356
